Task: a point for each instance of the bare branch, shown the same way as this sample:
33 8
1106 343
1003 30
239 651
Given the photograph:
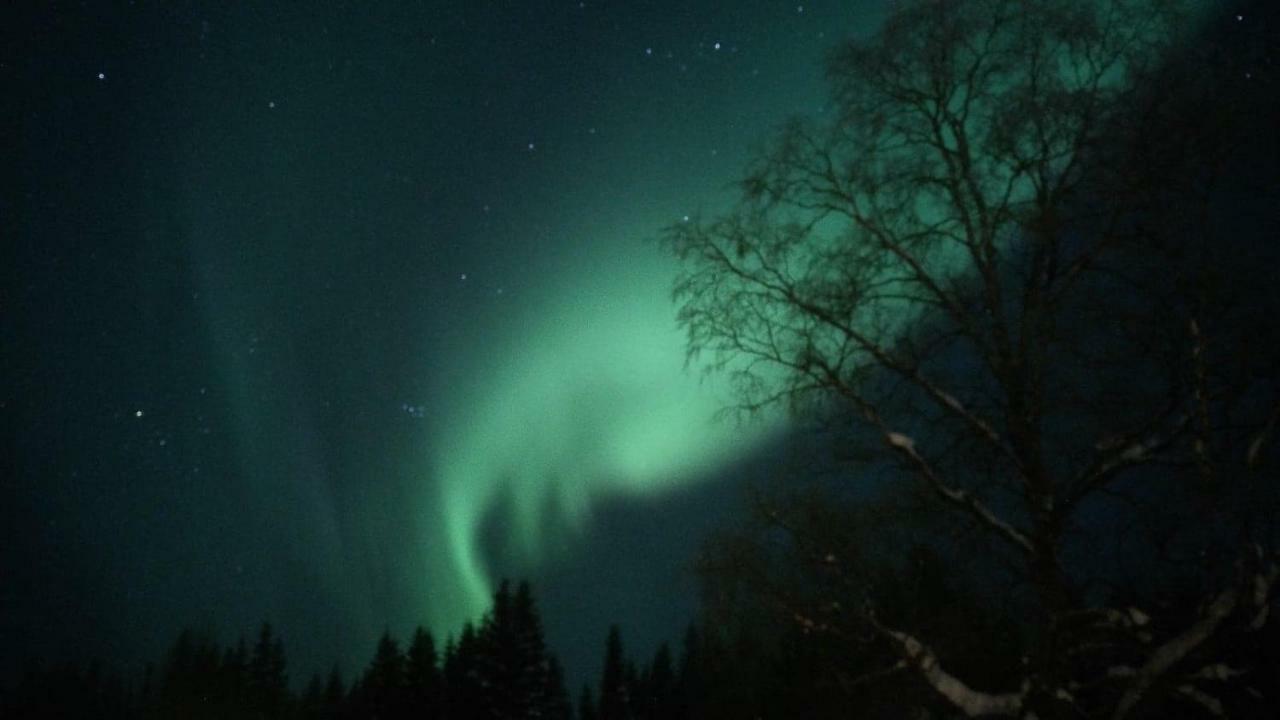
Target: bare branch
973 703
1165 657
956 497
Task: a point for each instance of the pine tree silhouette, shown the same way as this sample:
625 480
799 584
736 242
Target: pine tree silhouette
615 700
423 679
516 670
655 693
268 684
383 689
587 709
463 687
558 705
335 695
691 683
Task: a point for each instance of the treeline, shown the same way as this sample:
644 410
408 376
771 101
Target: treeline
743 661
498 668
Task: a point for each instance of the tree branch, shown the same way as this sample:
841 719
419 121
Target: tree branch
921 658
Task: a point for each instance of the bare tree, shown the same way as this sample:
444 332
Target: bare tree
967 263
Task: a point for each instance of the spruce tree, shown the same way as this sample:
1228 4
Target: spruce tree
462 678
335 695
691 683
384 682
233 675
423 676
312 705
268 683
615 698
557 705
587 709
655 698
515 666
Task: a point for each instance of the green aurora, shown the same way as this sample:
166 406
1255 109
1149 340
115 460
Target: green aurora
246 228
584 394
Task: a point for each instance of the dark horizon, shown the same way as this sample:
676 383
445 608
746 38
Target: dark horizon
240 238
336 318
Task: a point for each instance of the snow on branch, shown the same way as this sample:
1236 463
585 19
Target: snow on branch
960 498
973 703
1178 648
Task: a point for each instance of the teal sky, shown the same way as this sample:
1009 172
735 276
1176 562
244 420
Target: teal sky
345 310
332 314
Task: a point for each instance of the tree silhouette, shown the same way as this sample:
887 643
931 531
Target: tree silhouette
655 694
423 676
587 704
335 694
462 676
516 671
67 690
615 695
312 703
971 277
691 680
268 685
557 705
234 675
384 688
501 670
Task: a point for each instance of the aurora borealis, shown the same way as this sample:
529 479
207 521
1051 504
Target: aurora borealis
333 315
338 314
379 360
585 397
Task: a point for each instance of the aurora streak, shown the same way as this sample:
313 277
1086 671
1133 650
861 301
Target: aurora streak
584 395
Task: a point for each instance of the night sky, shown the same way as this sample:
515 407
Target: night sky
331 314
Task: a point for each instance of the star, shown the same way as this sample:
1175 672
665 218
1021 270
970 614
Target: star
102 76
137 413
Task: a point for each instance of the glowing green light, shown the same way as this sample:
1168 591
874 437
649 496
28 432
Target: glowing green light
580 394
580 391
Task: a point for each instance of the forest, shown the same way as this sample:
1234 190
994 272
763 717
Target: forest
1017 288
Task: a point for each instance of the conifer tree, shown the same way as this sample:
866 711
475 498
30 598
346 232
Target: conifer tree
558 705
656 692
384 683
335 695
423 676
312 705
463 687
691 685
268 683
587 705
233 675
615 701
515 666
